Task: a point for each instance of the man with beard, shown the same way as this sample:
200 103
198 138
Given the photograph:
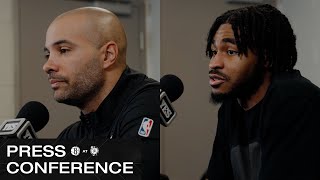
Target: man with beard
269 120
86 65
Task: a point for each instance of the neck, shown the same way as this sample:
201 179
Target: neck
258 95
111 79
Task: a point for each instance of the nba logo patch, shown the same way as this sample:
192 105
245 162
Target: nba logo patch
145 127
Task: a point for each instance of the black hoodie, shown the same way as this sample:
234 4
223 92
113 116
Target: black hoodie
279 138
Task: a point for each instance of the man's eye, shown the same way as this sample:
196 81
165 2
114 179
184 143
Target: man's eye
64 50
46 55
232 53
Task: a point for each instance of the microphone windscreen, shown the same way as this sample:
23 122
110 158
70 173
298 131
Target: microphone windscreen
172 85
36 113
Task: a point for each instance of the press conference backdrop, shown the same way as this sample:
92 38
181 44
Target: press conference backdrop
8 58
306 25
34 18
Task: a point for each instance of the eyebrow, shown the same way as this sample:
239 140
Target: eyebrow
226 40
63 41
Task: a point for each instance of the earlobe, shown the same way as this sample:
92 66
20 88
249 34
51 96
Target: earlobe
267 64
111 54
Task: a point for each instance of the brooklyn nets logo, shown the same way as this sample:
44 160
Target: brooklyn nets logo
75 150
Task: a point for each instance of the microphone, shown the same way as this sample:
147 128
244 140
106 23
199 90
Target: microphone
32 117
171 88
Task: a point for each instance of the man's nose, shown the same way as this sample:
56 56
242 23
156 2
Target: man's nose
50 65
216 61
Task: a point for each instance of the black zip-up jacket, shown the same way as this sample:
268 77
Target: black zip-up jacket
134 99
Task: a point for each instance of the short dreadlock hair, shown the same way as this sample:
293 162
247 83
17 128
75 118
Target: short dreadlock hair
264 30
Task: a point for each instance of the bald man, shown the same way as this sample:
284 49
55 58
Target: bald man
86 66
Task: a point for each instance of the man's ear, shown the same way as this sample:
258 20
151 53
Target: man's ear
268 64
110 54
